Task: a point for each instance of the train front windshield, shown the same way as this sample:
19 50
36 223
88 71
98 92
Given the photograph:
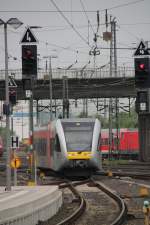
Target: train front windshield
78 135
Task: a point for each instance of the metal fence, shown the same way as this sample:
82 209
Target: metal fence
74 73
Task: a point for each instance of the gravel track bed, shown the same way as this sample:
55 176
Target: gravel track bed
99 206
130 190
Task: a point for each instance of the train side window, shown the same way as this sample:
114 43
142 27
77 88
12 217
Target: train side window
104 141
52 146
57 144
41 146
44 145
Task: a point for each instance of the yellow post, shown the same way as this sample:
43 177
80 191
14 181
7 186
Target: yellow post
143 192
110 174
146 211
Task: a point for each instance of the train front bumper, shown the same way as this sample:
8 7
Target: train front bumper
79 155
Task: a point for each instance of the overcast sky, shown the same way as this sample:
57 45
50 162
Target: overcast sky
65 34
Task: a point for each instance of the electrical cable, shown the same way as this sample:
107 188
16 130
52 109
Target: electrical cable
68 11
71 25
133 35
87 16
126 4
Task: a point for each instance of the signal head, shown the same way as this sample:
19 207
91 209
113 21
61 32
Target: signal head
141 66
142 72
28 53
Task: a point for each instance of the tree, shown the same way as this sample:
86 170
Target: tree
127 120
103 120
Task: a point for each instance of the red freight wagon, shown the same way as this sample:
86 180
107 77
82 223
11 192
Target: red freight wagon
128 143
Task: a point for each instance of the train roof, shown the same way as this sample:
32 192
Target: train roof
105 132
66 120
78 120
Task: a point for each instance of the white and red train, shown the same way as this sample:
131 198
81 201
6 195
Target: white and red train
69 146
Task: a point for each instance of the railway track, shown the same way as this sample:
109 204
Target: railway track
134 170
130 165
140 176
120 219
85 192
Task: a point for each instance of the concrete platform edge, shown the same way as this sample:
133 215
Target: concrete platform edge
30 213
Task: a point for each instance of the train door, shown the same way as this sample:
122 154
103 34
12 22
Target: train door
57 156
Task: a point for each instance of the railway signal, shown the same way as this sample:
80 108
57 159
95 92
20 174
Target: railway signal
142 102
12 96
142 65
15 163
142 72
29 61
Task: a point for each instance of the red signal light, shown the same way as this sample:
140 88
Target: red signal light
142 66
29 60
28 53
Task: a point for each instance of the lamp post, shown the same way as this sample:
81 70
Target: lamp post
15 23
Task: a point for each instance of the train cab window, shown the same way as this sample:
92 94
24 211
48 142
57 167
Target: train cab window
57 144
78 136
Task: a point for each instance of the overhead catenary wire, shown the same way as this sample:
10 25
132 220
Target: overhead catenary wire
67 20
133 35
125 4
59 28
87 16
72 11
70 49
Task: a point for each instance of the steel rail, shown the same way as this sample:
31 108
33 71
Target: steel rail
142 176
122 206
82 202
75 215
78 212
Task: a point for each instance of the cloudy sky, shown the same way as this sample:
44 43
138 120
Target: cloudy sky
65 32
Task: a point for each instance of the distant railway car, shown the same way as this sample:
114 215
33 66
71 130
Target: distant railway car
1 147
69 146
129 143
127 147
